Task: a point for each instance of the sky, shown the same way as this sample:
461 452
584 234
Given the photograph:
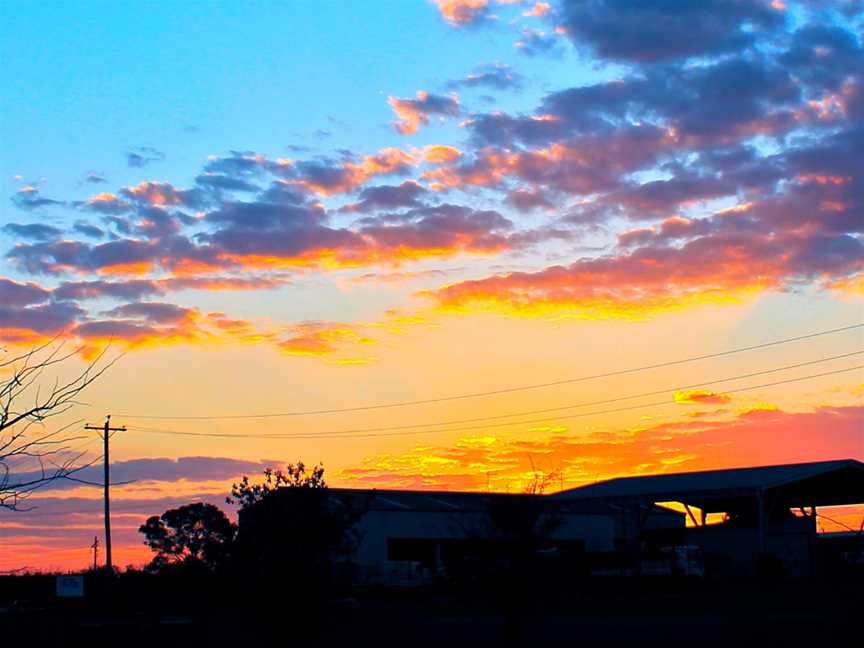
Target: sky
266 210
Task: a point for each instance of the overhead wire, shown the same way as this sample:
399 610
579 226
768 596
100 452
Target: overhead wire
495 392
382 432
613 400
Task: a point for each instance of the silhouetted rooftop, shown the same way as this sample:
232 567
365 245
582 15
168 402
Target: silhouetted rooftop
820 483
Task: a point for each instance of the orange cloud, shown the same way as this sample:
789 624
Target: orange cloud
490 168
413 113
461 12
156 193
103 198
324 339
539 9
509 463
354 174
585 292
657 277
701 396
853 285
440 154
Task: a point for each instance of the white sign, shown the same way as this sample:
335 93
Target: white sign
70 586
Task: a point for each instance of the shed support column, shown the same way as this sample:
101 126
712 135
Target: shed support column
811 542
690 513
760 521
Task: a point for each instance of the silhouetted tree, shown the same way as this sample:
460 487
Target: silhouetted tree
541 482
195 534
33 454
522 525
245 493
292 531
291 512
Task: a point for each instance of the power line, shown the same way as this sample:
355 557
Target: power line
508 390
381 432
608 400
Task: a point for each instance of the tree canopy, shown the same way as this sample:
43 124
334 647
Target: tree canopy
192 534
245 493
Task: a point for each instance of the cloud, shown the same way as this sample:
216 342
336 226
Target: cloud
658 198
536 42
14 294
135 334
701 397
161 194
507 463
137 288
55 536
462 13
66 515
33 231
88 229
33 316
153 312
655 278
406 194
181 469
642 32
224 182
440 154
538 10
140 325
427 231
584 165
276 235
321 339
143 156
32 324
494 76
526 200
327 177
106 203
719 103
689 150
28 198
91 177
58 257
413 113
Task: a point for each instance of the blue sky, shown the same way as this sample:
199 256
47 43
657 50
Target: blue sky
88 81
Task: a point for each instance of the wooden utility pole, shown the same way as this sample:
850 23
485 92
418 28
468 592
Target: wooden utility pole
107 430
95 547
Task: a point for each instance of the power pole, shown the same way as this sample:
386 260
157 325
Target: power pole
95 547
107 430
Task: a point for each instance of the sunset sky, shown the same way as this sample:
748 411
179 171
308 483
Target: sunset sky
287 207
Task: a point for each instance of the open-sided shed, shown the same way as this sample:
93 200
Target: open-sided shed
769 509
804 485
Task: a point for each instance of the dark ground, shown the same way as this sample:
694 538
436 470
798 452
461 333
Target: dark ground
743 615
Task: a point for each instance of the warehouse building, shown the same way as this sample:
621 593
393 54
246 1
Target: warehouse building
740 522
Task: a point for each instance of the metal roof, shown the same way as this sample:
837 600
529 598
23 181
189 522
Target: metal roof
419 501
840 481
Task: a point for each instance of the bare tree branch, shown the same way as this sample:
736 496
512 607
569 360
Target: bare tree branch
28 446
